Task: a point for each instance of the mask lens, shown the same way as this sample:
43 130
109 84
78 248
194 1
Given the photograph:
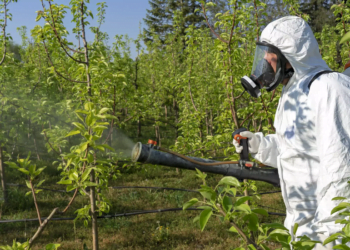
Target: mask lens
262 71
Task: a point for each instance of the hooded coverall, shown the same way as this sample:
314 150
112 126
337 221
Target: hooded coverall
311 147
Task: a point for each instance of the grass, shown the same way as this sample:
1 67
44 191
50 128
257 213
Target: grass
170 230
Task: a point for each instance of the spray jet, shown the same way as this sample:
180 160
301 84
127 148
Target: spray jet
243 169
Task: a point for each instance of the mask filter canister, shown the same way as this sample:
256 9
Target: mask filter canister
250 86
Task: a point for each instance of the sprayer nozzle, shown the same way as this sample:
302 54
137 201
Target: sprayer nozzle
136 151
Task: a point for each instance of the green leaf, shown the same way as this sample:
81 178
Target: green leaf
39 184
70 188
28 184
99 147
73 132
264 247
86 174
68 163
28 193
233 230
232 191
90 184
275 225
23 170
83 146
295 228
338 198
65 182
80 126
73 176
107 146
244 208
38 190
207 192
103 110
12 164
204 217
279 232
345 38
345 240
52 246
342 247
90 120
260 211
341 206
251 247
229 180
242 200
346 230
200 174
88 106
253 222
79 116
39 171
31 169
227 204
331 238
190 203
196 219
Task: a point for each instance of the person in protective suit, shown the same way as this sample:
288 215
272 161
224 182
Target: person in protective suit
311 146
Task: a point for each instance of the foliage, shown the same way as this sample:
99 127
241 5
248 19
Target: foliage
30 170
82 160
24 246
66 102
226 202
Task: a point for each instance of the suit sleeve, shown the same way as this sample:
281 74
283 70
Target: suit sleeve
268 149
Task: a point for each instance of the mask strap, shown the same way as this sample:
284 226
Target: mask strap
289 73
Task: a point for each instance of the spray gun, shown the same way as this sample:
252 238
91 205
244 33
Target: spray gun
243 169
244 155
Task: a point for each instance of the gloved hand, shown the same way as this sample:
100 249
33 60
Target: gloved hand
253 142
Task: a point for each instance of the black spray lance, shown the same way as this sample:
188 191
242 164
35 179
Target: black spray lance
243 169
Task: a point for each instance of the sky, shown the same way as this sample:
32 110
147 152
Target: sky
122 17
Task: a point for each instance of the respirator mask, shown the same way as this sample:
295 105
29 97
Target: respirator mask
269 70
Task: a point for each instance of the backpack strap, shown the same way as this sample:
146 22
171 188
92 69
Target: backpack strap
317 75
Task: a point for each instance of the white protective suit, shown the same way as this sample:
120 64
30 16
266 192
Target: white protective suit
311 147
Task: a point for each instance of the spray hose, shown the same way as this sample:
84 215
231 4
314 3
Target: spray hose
197 162
152 154
203 163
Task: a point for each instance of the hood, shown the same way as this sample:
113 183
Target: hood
294 37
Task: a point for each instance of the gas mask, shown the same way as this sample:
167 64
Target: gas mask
269 70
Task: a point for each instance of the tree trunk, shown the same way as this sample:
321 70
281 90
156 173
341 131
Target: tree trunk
2 177
139 127
93 213
176 109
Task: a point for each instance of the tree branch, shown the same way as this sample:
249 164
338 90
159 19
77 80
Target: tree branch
211 28
257 21
233 23
86 53
189 86
35 201
240 232
41 228
76 190
58 73
4 32
56 33
47 140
